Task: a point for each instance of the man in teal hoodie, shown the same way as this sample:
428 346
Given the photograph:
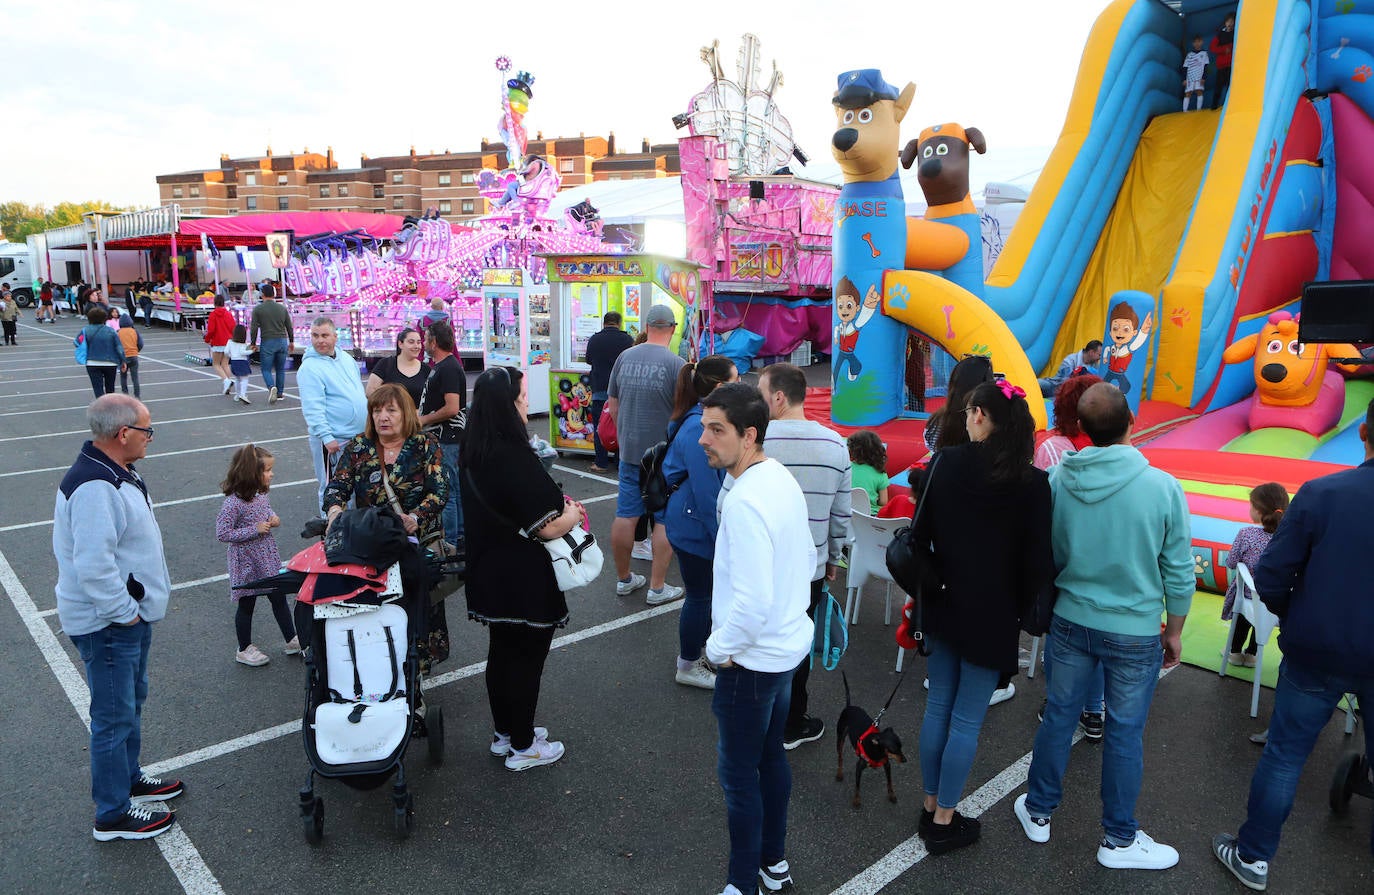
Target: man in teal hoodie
1123 550
332 398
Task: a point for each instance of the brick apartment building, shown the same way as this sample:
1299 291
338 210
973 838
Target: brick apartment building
397 184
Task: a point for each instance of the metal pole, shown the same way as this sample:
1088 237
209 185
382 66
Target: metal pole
102 256
176 276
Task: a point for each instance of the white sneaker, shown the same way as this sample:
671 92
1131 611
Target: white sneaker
1003 694
665 594
272 395
251 656
293 646
699 675
643 550
500 742
228 384
625 588
540 752
1036 829
242 400
1143 854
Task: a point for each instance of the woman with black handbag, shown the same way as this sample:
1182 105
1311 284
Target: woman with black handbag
985 520
511 505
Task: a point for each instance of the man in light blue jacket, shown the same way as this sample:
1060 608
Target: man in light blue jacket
112 585
332 399
1123 549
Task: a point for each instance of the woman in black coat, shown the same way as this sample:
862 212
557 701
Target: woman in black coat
511 504
986 518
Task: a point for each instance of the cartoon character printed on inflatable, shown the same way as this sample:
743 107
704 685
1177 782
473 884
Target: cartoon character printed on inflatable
1128 335
852 318
943 173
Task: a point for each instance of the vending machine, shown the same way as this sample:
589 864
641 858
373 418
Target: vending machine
518 329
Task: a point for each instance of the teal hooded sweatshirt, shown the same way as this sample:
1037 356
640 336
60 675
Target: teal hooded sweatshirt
1122 542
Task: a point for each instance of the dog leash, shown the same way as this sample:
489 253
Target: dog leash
900 677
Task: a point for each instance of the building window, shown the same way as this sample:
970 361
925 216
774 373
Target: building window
467 179
176 192
398 177
343 189
283 203
281 180
565 166
378 192
379 211
612 176
195 192
251 203
324 191
445 179
446 207
250 179
397 202
467 206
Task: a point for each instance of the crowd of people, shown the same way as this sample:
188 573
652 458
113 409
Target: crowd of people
758 515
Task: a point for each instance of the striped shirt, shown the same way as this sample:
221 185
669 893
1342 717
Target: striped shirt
1194 64
818 459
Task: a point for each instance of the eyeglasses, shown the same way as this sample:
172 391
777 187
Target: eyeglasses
146 430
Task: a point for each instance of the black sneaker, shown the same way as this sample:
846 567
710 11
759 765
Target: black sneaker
777 878
139 822
958 833
1092 724
925 823
1252 874
810 730
153 789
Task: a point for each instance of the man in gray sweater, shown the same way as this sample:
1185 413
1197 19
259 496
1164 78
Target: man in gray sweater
270 328
112 585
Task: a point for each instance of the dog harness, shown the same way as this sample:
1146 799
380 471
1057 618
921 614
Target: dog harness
873 728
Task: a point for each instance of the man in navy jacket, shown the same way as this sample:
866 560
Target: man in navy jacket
1314 577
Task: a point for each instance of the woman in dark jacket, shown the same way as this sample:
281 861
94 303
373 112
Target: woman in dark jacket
690 521
986 518
511 504
104 351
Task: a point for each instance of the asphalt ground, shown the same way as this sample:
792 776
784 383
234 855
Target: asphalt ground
634 806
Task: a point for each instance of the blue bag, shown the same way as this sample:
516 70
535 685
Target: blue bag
832 634
80 352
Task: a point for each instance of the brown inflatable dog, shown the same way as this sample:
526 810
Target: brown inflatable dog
943 151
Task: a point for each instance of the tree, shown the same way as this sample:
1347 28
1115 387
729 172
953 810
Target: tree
19 220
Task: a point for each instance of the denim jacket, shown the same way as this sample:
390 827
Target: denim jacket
690 519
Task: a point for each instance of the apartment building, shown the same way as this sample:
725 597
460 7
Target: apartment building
400 184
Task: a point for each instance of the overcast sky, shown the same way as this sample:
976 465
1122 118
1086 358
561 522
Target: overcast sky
102 97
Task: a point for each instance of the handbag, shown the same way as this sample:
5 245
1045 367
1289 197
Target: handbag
913 568
605 431
576 556
79 353
427 540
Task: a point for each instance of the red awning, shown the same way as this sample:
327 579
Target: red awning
251 229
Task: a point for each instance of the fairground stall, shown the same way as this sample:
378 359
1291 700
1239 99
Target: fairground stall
583 289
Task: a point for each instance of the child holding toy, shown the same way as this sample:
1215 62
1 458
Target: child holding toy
868 464
1194 69
245 523
1268 503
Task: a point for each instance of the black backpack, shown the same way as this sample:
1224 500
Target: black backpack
653 484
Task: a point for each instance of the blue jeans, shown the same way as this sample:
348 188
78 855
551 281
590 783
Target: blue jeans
116 659
1131 665
1303 703
272 357
453 510
751 712
1093 702
694 624
603 457
955 708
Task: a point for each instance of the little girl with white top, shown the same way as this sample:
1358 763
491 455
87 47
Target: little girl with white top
239 366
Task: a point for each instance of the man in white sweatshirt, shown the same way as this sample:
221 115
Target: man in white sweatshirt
760 632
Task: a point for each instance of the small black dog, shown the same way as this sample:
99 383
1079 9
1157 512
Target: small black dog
875 748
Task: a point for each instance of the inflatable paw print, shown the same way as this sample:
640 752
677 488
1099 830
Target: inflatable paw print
1179 317
898 296
1345 6
1362 74
1200 565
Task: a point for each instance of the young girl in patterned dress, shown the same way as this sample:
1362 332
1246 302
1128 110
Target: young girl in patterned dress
245 523
1268 503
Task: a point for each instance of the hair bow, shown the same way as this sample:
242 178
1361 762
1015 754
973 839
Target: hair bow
1011 391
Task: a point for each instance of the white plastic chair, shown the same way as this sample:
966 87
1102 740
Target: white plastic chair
859 502
1249 607
868 559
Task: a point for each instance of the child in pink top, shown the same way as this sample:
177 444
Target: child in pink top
1268 503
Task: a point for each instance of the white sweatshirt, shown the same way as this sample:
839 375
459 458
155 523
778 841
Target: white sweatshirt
763 564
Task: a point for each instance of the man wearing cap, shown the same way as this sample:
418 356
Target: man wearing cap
640 400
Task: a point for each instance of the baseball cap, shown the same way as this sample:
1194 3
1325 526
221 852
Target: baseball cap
660 315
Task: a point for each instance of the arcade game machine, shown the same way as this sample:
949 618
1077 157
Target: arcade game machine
517 328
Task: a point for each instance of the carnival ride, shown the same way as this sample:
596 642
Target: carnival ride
1215 220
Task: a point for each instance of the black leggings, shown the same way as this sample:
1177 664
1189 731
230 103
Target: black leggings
1243 628
1222 87
515 664
243 618
797 713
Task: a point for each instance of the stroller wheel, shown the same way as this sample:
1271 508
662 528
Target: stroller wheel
434 720
1347 777
314 823
405 818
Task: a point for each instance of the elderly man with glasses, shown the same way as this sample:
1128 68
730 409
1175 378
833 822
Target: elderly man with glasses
112 585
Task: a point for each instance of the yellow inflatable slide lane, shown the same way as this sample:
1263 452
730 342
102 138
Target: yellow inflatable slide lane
960 323
1143 232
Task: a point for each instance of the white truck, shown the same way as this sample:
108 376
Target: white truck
17 271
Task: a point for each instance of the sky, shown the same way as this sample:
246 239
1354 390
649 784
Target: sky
104 96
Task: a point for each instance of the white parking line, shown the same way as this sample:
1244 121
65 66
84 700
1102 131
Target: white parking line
199 581
78 389
216 447
157 424
81 376
586 475
177 849
171 503
201 397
